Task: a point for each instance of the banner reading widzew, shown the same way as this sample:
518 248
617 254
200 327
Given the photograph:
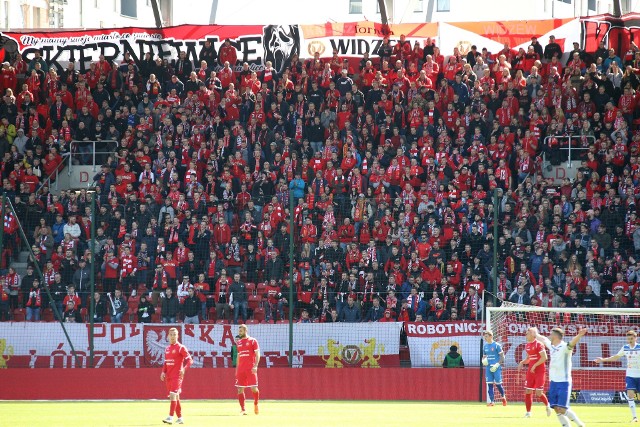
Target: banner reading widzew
43 345
257 44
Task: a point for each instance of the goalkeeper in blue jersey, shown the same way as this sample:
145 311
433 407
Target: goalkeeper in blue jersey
493 359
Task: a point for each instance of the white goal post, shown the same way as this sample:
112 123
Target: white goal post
592 382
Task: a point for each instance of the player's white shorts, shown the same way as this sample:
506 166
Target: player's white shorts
559 394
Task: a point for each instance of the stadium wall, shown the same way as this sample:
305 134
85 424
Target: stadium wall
275 383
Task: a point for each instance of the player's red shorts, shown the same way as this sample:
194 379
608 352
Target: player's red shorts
535 381
174 385
246 379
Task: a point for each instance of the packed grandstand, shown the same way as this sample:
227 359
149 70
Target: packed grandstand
395 164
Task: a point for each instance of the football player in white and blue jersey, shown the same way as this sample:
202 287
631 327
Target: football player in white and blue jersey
493 358
560 374
631 350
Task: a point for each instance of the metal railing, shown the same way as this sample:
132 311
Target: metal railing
93 152
54 175
569 148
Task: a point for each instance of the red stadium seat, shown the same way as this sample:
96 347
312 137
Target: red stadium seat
212 314
261 288
252 322
19 315
254 301
155 318
251 288
47 315
258 314
83 314
222 322
281 322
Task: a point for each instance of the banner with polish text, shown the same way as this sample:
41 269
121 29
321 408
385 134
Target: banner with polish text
257 44
430 342
131 345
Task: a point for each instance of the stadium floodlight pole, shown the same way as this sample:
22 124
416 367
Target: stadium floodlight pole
291 249
41 277
496 204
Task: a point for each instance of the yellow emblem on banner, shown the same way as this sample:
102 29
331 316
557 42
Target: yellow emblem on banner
5 353
464 47
439 350
316 46
365 355
369 359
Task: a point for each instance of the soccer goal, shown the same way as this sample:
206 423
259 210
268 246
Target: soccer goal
592 382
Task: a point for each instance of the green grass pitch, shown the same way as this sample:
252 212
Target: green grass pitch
296 413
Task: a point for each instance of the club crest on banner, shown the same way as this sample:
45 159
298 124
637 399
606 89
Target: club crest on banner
364 355
464 46
316 46
351 354
439 350
155 342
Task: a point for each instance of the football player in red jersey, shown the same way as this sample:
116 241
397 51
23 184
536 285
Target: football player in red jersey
247 367
176 360
536 359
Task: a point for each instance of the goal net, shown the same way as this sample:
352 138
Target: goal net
592 382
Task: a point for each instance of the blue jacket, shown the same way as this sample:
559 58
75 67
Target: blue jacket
58 233
297 188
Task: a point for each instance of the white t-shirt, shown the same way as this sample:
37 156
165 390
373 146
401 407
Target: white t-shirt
560 361
633 359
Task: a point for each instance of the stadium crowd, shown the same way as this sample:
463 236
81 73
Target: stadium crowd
392 163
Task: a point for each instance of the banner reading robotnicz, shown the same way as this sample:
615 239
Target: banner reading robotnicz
43 345
430 342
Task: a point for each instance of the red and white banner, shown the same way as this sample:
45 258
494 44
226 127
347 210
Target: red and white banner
43 345
429 342
602 340
257 44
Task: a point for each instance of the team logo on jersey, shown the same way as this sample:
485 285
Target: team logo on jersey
155 344
6 351
280 43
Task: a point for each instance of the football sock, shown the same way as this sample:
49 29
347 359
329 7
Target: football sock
528 401
178 409
543 399
256 396
172 408
632 406
573 417
501 390
563 420
241 400
491 392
